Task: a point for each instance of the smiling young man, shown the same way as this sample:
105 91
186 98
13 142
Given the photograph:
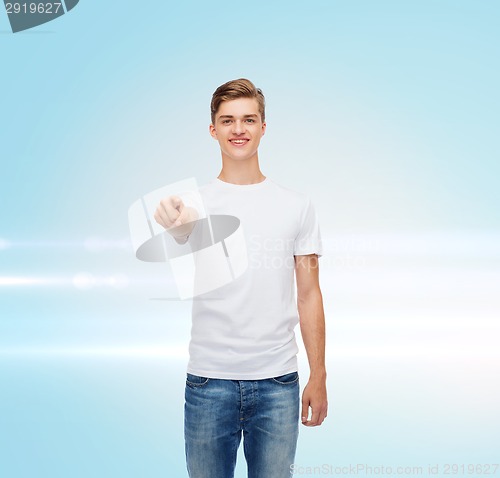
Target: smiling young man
242 377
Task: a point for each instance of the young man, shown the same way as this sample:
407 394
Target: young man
242 375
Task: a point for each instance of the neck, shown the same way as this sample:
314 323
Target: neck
241 172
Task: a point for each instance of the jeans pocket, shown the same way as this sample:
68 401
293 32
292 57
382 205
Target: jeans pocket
287 379
196 380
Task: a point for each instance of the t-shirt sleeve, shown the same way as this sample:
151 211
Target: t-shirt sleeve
308 240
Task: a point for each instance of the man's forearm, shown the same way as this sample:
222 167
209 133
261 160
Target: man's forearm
312 327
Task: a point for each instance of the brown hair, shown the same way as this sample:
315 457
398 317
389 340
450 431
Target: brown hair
234 89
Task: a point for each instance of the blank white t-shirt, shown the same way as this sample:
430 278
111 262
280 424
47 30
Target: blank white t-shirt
244 330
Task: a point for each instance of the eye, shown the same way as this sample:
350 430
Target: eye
226 121
250 120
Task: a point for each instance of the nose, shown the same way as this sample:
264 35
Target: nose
238 127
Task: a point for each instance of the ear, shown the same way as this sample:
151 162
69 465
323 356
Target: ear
213 131
263 128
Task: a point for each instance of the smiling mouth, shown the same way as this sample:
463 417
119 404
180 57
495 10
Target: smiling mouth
239 142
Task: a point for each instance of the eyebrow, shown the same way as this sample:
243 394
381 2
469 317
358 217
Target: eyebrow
244 116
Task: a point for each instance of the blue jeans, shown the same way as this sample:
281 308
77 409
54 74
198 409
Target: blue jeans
217 412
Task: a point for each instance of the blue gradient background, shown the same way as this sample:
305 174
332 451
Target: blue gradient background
384 112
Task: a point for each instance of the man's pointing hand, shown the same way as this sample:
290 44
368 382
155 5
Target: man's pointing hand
175 217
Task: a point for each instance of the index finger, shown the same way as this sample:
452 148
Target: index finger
170 209
176 202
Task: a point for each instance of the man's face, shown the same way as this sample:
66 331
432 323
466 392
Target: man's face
238 128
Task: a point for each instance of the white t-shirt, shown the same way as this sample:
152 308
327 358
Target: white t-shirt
244 330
